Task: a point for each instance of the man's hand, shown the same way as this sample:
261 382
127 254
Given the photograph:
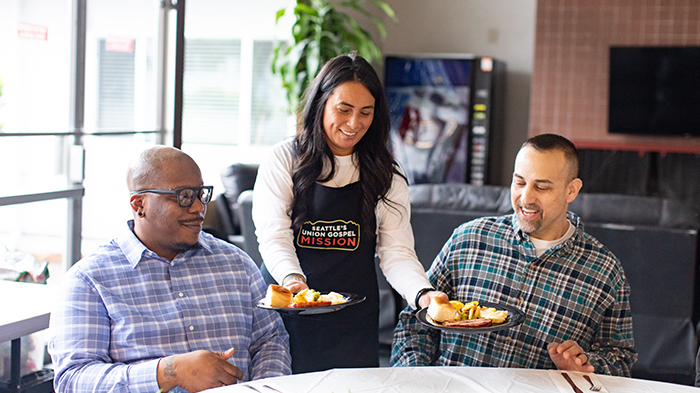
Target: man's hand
424 300
197 371
569 356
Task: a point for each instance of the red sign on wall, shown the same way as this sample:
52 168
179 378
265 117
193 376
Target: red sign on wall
119 45
30 31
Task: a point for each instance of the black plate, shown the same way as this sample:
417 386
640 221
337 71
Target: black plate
351 298
515 318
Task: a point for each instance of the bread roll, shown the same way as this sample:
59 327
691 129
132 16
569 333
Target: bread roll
277 296
441 310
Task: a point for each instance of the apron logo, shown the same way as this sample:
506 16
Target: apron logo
329 235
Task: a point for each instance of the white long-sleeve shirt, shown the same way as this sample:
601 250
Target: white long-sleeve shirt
272 199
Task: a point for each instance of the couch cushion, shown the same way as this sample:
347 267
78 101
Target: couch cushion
492 200
437 209
634 210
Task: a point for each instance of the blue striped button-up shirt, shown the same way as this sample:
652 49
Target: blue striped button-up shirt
124 307
574 291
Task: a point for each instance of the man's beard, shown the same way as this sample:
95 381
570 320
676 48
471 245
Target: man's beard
529 226
184 246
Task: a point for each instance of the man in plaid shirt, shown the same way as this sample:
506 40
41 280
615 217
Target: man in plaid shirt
164 305
570 287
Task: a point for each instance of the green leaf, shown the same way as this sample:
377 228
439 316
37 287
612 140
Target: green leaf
313 58
380 26
280 14
387 10
357 7
304 9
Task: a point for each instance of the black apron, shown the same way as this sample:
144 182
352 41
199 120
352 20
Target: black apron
336 254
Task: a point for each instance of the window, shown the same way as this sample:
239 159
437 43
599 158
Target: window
233 105
212 90
116 84
234 108
269 122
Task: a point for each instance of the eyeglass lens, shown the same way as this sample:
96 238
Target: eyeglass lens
185 197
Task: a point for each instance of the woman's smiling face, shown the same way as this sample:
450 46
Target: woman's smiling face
348 113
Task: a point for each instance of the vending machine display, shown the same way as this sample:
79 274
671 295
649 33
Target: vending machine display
441 109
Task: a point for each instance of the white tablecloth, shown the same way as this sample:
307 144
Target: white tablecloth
446 379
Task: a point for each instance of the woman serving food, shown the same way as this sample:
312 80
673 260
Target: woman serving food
327 200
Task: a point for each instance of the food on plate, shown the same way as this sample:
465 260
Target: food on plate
309 304
333 297
497 316
313 296
441 310
469 323
456 304
470 315
280 297
277 296
307 296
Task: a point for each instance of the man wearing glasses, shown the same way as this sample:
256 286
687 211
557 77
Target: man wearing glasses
165 305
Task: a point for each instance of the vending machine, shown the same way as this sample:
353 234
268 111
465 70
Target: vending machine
445 116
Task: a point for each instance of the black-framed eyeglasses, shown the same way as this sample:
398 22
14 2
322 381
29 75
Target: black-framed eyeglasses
185 196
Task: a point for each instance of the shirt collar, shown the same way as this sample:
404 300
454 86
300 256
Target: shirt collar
135 251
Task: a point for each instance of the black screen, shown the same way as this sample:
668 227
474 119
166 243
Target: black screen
654 91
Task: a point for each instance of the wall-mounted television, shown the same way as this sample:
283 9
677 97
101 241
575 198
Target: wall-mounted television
654 91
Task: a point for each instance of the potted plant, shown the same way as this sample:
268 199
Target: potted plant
322 30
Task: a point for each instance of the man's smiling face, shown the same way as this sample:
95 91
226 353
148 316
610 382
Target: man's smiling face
541 191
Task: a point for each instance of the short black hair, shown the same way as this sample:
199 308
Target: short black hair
549 142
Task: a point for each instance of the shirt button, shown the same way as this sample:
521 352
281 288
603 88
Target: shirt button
181 294
520 300
508 339
191 328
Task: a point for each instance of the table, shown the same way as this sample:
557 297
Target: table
25 309
446 379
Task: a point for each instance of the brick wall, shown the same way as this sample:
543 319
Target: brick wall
569 93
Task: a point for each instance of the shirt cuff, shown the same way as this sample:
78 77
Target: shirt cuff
143 377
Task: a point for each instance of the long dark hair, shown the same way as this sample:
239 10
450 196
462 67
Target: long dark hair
377 164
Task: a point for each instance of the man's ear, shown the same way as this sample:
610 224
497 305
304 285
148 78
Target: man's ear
137 203
573 189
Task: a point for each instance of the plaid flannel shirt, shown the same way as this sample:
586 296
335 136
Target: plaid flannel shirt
574 291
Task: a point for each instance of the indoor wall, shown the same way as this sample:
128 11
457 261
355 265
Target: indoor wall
570 73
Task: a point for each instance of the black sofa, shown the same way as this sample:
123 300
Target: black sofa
437 209
235 178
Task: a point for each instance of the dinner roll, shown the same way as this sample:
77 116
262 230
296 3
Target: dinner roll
277 296
441 310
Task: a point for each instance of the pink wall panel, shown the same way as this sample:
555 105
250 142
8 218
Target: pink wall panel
569 93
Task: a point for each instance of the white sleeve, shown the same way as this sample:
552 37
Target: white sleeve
272 197
395 245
